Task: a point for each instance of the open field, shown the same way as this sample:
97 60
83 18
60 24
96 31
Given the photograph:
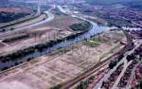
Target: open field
31 38
63 22
56 29
47 71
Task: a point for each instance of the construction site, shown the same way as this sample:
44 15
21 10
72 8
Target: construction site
62 47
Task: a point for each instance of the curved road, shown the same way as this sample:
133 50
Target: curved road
50 18
95 27
68 12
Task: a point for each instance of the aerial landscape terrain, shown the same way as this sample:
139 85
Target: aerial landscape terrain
70 44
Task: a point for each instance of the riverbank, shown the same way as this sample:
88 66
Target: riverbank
48 70
14 56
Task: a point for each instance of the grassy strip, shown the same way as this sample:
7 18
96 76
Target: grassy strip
94 42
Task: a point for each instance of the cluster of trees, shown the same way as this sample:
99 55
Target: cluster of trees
138 33
130 57
129 47
139 86
133 56
81 26
117 22
125 79
85 84
113 63
33 49
16 56
136 55
137 4
112 2
16 38
7 17
27 51
9 66
56 87
4 30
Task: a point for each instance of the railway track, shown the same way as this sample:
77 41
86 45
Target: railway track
84 75
89 72
96 67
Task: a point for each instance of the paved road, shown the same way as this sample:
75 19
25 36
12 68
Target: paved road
32 20
50 17
79 16
125 66
98 86
95 27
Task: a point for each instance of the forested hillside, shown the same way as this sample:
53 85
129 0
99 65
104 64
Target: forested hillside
107 2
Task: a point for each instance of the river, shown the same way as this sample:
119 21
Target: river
95 29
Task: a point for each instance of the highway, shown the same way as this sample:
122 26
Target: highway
64 44
48 19
95 29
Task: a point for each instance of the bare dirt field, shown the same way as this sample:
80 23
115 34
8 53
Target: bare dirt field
62 22
47 71
34 37
56 29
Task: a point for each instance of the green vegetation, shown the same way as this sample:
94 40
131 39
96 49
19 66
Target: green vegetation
110 2
16 38
56 87
85 84
81 26
102 2
117 22
38 48
139 86
113 21
94 42
6 17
